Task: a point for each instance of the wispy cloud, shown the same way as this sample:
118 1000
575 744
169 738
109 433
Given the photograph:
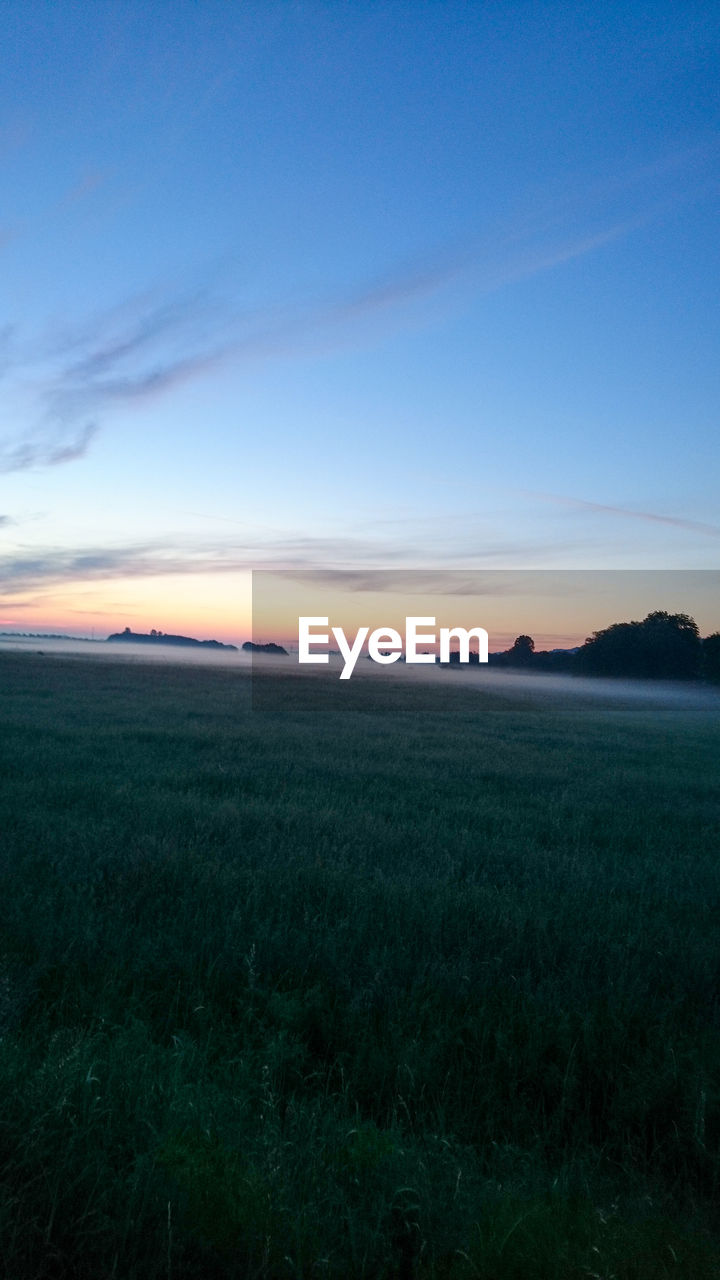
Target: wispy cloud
46 448
678 522
410 582
48 566
379 562
145 348
147 345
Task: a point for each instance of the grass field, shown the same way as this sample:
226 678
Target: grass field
426 984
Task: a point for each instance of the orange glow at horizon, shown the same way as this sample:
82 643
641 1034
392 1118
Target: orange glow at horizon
559 610
212 607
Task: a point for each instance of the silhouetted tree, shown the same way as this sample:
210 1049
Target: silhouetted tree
522 652
663 646
711 657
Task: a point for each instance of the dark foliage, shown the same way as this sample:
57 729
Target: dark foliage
711 657
664 646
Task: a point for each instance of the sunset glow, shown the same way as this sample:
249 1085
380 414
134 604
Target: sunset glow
355 288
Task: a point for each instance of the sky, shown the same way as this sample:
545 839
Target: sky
351 286
504 602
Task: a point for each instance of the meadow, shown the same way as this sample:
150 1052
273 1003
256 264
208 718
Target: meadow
423 982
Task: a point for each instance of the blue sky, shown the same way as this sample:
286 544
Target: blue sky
351 285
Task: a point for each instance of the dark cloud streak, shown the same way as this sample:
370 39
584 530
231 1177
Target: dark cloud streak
46 452
144 347
677 522
315 559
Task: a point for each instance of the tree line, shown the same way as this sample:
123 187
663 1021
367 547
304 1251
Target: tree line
664 646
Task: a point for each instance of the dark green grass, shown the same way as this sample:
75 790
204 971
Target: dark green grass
426 983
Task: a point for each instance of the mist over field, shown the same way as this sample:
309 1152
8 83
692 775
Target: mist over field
183 655
653 692
474 679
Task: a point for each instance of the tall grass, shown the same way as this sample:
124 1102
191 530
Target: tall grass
422 984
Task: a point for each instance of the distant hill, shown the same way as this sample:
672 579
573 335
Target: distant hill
159 637
271 647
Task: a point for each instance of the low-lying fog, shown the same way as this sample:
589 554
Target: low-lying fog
485 679
123 651
478 679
